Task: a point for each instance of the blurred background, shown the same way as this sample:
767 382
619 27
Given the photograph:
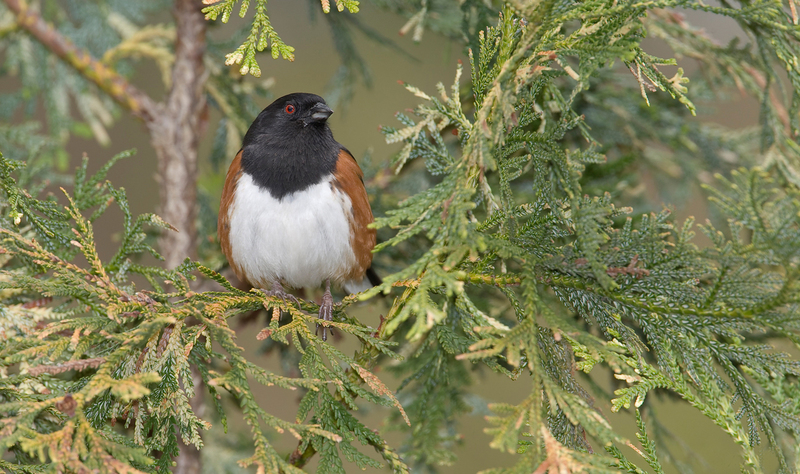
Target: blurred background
376 97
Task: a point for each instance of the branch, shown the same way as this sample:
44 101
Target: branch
175 137
108 80
78 365
176 133
367 357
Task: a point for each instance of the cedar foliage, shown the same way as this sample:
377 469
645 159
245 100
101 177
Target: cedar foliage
60 317
519 257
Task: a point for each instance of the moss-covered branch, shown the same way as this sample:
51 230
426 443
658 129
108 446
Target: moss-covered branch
103 76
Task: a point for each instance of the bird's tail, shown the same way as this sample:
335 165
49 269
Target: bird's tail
373 277
370 279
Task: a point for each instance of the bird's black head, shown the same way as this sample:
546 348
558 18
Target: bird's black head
290 114
289 146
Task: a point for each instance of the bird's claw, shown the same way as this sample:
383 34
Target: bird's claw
277 291
326 313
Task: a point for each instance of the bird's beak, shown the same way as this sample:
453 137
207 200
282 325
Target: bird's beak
320 112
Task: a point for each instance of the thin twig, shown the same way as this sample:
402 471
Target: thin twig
78 365
367 357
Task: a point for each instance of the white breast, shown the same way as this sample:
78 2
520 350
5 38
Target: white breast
302 239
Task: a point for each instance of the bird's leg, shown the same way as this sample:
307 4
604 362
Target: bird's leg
277 290
326 309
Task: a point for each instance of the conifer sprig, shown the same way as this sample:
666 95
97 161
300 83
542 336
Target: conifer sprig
84 349
510 207
525 263
262 33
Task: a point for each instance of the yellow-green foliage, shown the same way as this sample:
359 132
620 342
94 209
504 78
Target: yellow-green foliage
515 255
262 33
575 284
83 349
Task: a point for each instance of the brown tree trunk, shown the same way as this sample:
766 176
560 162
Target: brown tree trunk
175 134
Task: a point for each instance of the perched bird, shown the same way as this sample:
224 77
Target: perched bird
294 209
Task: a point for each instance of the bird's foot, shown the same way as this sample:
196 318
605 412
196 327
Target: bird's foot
326 311
278 291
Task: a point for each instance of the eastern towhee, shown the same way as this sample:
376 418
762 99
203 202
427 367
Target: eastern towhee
294 209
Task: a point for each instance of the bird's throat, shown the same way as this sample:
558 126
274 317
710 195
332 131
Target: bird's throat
292 163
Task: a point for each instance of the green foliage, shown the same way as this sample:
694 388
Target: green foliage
516 258
513 212
84 349
262 34
72 104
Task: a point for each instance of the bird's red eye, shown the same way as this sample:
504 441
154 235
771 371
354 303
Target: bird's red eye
289 109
